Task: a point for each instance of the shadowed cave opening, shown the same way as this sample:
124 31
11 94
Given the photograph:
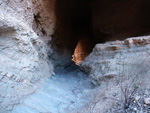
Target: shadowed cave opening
80 24
73 32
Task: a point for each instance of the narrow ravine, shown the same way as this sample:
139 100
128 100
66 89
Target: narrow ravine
65 92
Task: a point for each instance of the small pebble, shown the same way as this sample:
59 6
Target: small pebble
147 101
144 105
114 94
135 109
146 92
137 98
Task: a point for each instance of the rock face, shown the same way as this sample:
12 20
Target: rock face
82 50
118 58
28 26
23 55
113 20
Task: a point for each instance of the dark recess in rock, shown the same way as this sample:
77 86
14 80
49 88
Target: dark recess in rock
98 21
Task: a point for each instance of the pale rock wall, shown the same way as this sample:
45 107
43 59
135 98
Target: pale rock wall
118 58
24 61
36 14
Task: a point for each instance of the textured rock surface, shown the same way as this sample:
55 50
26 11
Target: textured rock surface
26 27
23 55
36 14
128 58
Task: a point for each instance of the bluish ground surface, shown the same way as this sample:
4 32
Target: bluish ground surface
63 93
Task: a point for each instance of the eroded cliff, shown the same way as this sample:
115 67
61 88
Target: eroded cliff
39 37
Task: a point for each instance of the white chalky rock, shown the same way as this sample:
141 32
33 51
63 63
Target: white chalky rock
9 75
137 98
147 101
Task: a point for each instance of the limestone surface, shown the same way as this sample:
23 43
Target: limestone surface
118 58
24 61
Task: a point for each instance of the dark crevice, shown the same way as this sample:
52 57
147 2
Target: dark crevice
73 26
